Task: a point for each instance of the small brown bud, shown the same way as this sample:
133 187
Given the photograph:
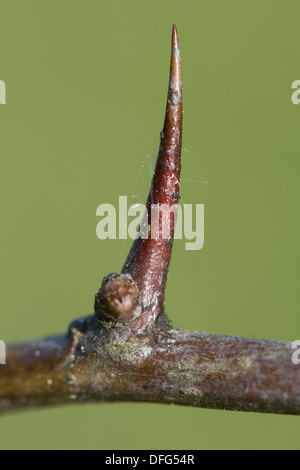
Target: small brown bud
118 300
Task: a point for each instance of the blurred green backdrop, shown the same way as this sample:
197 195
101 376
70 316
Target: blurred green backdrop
86 88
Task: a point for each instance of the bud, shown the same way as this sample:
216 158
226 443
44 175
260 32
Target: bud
118 299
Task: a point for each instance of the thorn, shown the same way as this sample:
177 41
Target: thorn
149 258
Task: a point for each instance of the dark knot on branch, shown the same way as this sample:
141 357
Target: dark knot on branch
118 299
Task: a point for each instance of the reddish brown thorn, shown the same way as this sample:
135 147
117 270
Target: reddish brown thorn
149 259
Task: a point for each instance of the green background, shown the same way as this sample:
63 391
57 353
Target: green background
86 89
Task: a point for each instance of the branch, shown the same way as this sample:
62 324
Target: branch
128 351
174 367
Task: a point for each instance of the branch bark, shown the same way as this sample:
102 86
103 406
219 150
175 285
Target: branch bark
174 366
128 350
